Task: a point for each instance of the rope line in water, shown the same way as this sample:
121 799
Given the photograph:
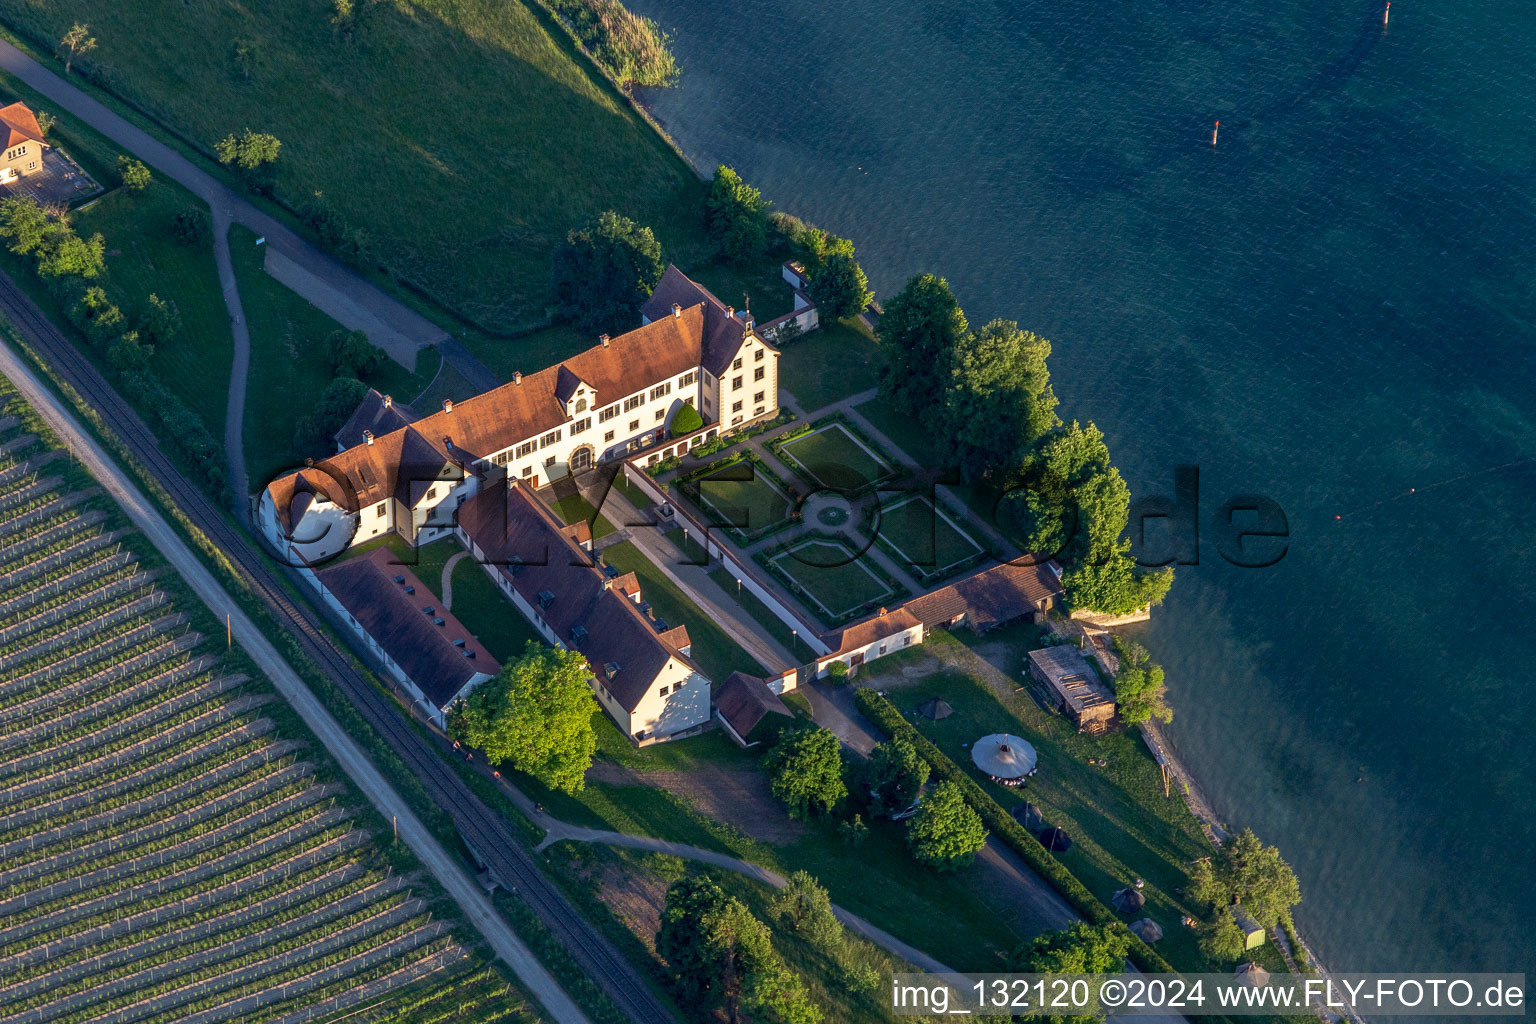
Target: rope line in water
1410 492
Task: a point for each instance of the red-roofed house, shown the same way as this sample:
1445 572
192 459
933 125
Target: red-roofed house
885 632
24 143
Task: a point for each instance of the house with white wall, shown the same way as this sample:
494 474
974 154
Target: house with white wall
641 671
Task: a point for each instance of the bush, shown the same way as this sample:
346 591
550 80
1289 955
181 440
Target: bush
686 420
630 47
837 673
135 175
159 321
351 354
605 271
738 216
191 226
945 832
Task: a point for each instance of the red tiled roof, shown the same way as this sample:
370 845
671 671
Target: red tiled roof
723 334
871 630
366 587
20 124
989 597
743 701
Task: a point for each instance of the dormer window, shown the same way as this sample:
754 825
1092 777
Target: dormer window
581 405
578 635
546 598
611 669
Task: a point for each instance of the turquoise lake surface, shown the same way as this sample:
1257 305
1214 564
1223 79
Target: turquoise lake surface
1334 306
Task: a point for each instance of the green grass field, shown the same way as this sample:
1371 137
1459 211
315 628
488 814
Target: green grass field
833 578
288 369
833 457
834 361
500 130
922 537
745 505
1122 826
714 650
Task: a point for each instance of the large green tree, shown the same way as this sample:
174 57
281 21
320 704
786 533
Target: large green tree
1000 399
249 151
894 773
721 957
605 271
839 288
919 330
1140 693
1079 949
536 716
351 354
314 432
805 771
803 904
946 832
1249 874
738 216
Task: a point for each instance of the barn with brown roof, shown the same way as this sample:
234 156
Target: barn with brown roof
741 704
1072 686
990 598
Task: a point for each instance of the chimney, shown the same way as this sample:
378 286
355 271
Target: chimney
677 310
517 376
447 405
447 441
730 312
368 436
388 401
604 340
882 611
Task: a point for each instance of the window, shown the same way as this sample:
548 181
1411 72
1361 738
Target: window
758 374
758 411
758 355
608 414
687 378
31 165
633 402
581 405
549 439
524 450
549 462
735 421
735 407
501 458
661 414
527 471
661 391
882 648
906 641
735 383
665 690
634 425
580 425
381 508
431 493
758 397
737 364
608 435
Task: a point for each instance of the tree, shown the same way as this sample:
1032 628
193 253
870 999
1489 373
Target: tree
351 354
918 333
314 432
1078 949
77 42
1000 402
160 320
605 271
191 226
1246 872
135 175
738 216
25 223
946 831
686 420
1139 688
839 288
536 716
250 152
804 905
721 957
66 253
853 831
837 673
129 353
97 316
805 770
895 773
814 247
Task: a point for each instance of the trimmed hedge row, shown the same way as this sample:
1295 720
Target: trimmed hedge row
885 715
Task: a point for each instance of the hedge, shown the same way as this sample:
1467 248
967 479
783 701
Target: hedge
885 715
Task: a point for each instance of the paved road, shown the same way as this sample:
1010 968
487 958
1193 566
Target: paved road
347 297
424 756
144 515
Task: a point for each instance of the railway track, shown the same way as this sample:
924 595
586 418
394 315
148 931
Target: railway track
482 828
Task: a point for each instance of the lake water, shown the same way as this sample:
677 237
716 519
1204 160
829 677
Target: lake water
1333 306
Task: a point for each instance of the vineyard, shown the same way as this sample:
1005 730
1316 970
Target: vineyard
173 844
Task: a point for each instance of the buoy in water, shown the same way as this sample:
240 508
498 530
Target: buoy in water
1214 132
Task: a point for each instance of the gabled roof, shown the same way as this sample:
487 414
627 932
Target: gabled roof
378 414
535 554
1074 680
871 630
989 597
744 701
19 124
723 333
372 588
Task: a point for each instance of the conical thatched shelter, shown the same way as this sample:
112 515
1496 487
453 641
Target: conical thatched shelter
1148 930
935 708
1008 759
1251 973
1128 901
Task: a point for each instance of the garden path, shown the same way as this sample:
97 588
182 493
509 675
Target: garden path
447 587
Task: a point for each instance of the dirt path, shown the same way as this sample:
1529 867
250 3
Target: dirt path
239 370
447 581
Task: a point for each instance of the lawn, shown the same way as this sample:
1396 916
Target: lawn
500 157
714 650
924 537
754 607
833 457
573 508
288 367
838 359
832 576
745 505
1121 824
